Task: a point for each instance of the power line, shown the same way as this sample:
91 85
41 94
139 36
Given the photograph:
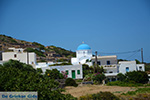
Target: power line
131 55
121 52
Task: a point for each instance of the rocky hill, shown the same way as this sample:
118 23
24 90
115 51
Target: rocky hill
48 53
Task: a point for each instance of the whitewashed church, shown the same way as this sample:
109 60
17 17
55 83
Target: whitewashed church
83 53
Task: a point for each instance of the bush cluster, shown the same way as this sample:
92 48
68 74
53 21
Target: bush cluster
97 78
134 78
54 74
122 83
90 70
71 82
137 76
100 96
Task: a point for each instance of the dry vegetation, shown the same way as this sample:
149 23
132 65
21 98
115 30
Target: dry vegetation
91 89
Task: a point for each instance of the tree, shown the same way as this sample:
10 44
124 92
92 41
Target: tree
99 69
16 76
137 76
86 69
98 77
39 70
137 61
121 77
53 74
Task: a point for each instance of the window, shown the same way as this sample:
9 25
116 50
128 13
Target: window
108 62
15 55
19 50
140 67
67 72
127 69
78 71
99 63
110 71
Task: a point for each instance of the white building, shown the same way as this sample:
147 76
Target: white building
105 60
83 53
109 63
20 55
127 66
73 71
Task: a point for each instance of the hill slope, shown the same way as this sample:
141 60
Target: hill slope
49 53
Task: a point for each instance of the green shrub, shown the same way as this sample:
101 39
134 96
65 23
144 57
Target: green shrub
121 77
61 64
121 83
71 82
87 69
137 76
88 77
54 74
39 70
16 76
100 96
38 52
138 91
98 78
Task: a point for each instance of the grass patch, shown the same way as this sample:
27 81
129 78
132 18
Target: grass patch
120 83
99 96
138 91
78 80
118 92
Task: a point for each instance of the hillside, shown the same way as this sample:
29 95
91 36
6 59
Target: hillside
48 53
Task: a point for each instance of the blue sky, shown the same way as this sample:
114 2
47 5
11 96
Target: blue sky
105 25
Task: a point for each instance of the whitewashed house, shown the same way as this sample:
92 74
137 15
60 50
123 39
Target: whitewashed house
20 55
73 71
127 66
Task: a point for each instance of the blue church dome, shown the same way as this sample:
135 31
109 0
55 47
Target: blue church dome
83 47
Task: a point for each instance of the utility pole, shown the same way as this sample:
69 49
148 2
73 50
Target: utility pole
142 54
95 66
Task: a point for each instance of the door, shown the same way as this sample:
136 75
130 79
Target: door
73 74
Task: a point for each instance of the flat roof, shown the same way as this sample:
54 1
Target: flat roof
103 57
127 62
